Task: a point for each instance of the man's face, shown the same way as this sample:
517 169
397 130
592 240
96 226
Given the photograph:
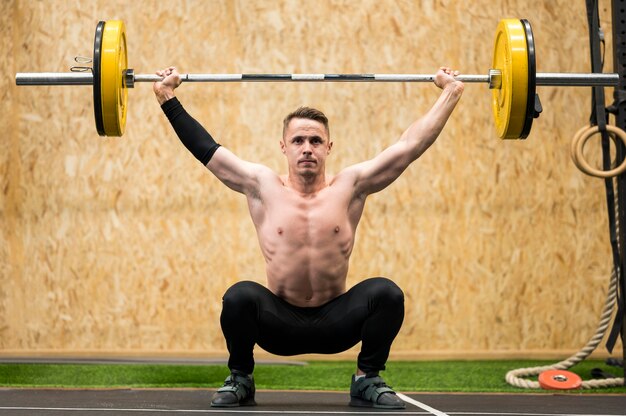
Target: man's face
306 145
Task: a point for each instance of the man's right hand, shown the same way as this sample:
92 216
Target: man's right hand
164 89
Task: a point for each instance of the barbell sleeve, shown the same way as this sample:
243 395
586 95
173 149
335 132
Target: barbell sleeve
558 79
543 79
54 78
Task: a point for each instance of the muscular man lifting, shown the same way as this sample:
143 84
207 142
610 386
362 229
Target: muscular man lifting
306 222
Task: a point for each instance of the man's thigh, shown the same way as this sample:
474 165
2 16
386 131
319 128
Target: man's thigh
331 328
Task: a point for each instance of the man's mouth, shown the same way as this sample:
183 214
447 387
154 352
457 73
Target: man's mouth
307 161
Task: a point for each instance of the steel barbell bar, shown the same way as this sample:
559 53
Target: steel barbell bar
512 79
542 78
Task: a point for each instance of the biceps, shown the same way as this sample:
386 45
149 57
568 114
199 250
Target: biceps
238 174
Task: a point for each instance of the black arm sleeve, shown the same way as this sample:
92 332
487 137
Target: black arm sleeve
195 138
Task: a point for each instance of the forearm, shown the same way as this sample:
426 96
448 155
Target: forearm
422 133
191 133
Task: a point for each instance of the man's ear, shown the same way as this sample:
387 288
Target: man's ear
282 146
330 146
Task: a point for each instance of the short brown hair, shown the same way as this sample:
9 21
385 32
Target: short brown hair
307 113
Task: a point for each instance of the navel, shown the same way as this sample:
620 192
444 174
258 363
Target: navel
337 229
280 231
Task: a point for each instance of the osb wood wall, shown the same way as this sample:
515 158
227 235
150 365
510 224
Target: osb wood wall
126 245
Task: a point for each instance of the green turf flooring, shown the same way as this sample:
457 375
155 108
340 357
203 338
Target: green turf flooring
407 376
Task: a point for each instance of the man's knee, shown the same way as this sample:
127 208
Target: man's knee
387 291
241 294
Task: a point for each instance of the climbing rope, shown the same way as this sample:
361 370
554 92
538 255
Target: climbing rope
514 377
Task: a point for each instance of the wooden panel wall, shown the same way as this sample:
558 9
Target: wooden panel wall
126 245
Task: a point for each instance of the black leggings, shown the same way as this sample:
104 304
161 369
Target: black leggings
371 312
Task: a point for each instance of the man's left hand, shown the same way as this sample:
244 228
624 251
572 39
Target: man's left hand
445 76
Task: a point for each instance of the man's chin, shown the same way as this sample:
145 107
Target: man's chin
307 172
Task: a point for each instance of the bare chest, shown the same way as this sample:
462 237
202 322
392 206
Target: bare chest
310 221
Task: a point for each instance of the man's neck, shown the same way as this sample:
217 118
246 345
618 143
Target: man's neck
306 184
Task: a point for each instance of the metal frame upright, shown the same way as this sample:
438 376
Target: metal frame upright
619 110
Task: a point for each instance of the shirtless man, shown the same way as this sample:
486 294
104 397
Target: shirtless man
306 222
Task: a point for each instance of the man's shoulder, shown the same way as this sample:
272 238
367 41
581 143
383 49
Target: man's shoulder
346 175
264 172
267 177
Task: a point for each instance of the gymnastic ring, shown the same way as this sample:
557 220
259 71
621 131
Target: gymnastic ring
572 150
578 144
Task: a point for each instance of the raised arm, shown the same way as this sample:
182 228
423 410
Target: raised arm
236 173
376 174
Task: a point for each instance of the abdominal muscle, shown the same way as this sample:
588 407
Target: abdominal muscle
307 277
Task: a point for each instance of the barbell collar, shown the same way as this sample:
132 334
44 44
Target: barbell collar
543 79
495 79
129 78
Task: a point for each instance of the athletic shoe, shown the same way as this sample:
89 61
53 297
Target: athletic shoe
238 390
371 391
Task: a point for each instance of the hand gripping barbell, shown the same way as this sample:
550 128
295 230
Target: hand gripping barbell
512 79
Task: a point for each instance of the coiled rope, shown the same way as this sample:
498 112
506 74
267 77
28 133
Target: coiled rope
514 377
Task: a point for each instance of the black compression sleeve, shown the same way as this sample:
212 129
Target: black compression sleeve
195 137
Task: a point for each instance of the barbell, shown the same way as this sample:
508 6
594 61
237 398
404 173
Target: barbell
512 79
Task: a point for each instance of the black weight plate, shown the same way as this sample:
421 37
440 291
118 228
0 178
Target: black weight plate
97 98
532 79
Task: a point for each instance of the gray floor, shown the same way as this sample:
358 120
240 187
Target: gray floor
50 402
